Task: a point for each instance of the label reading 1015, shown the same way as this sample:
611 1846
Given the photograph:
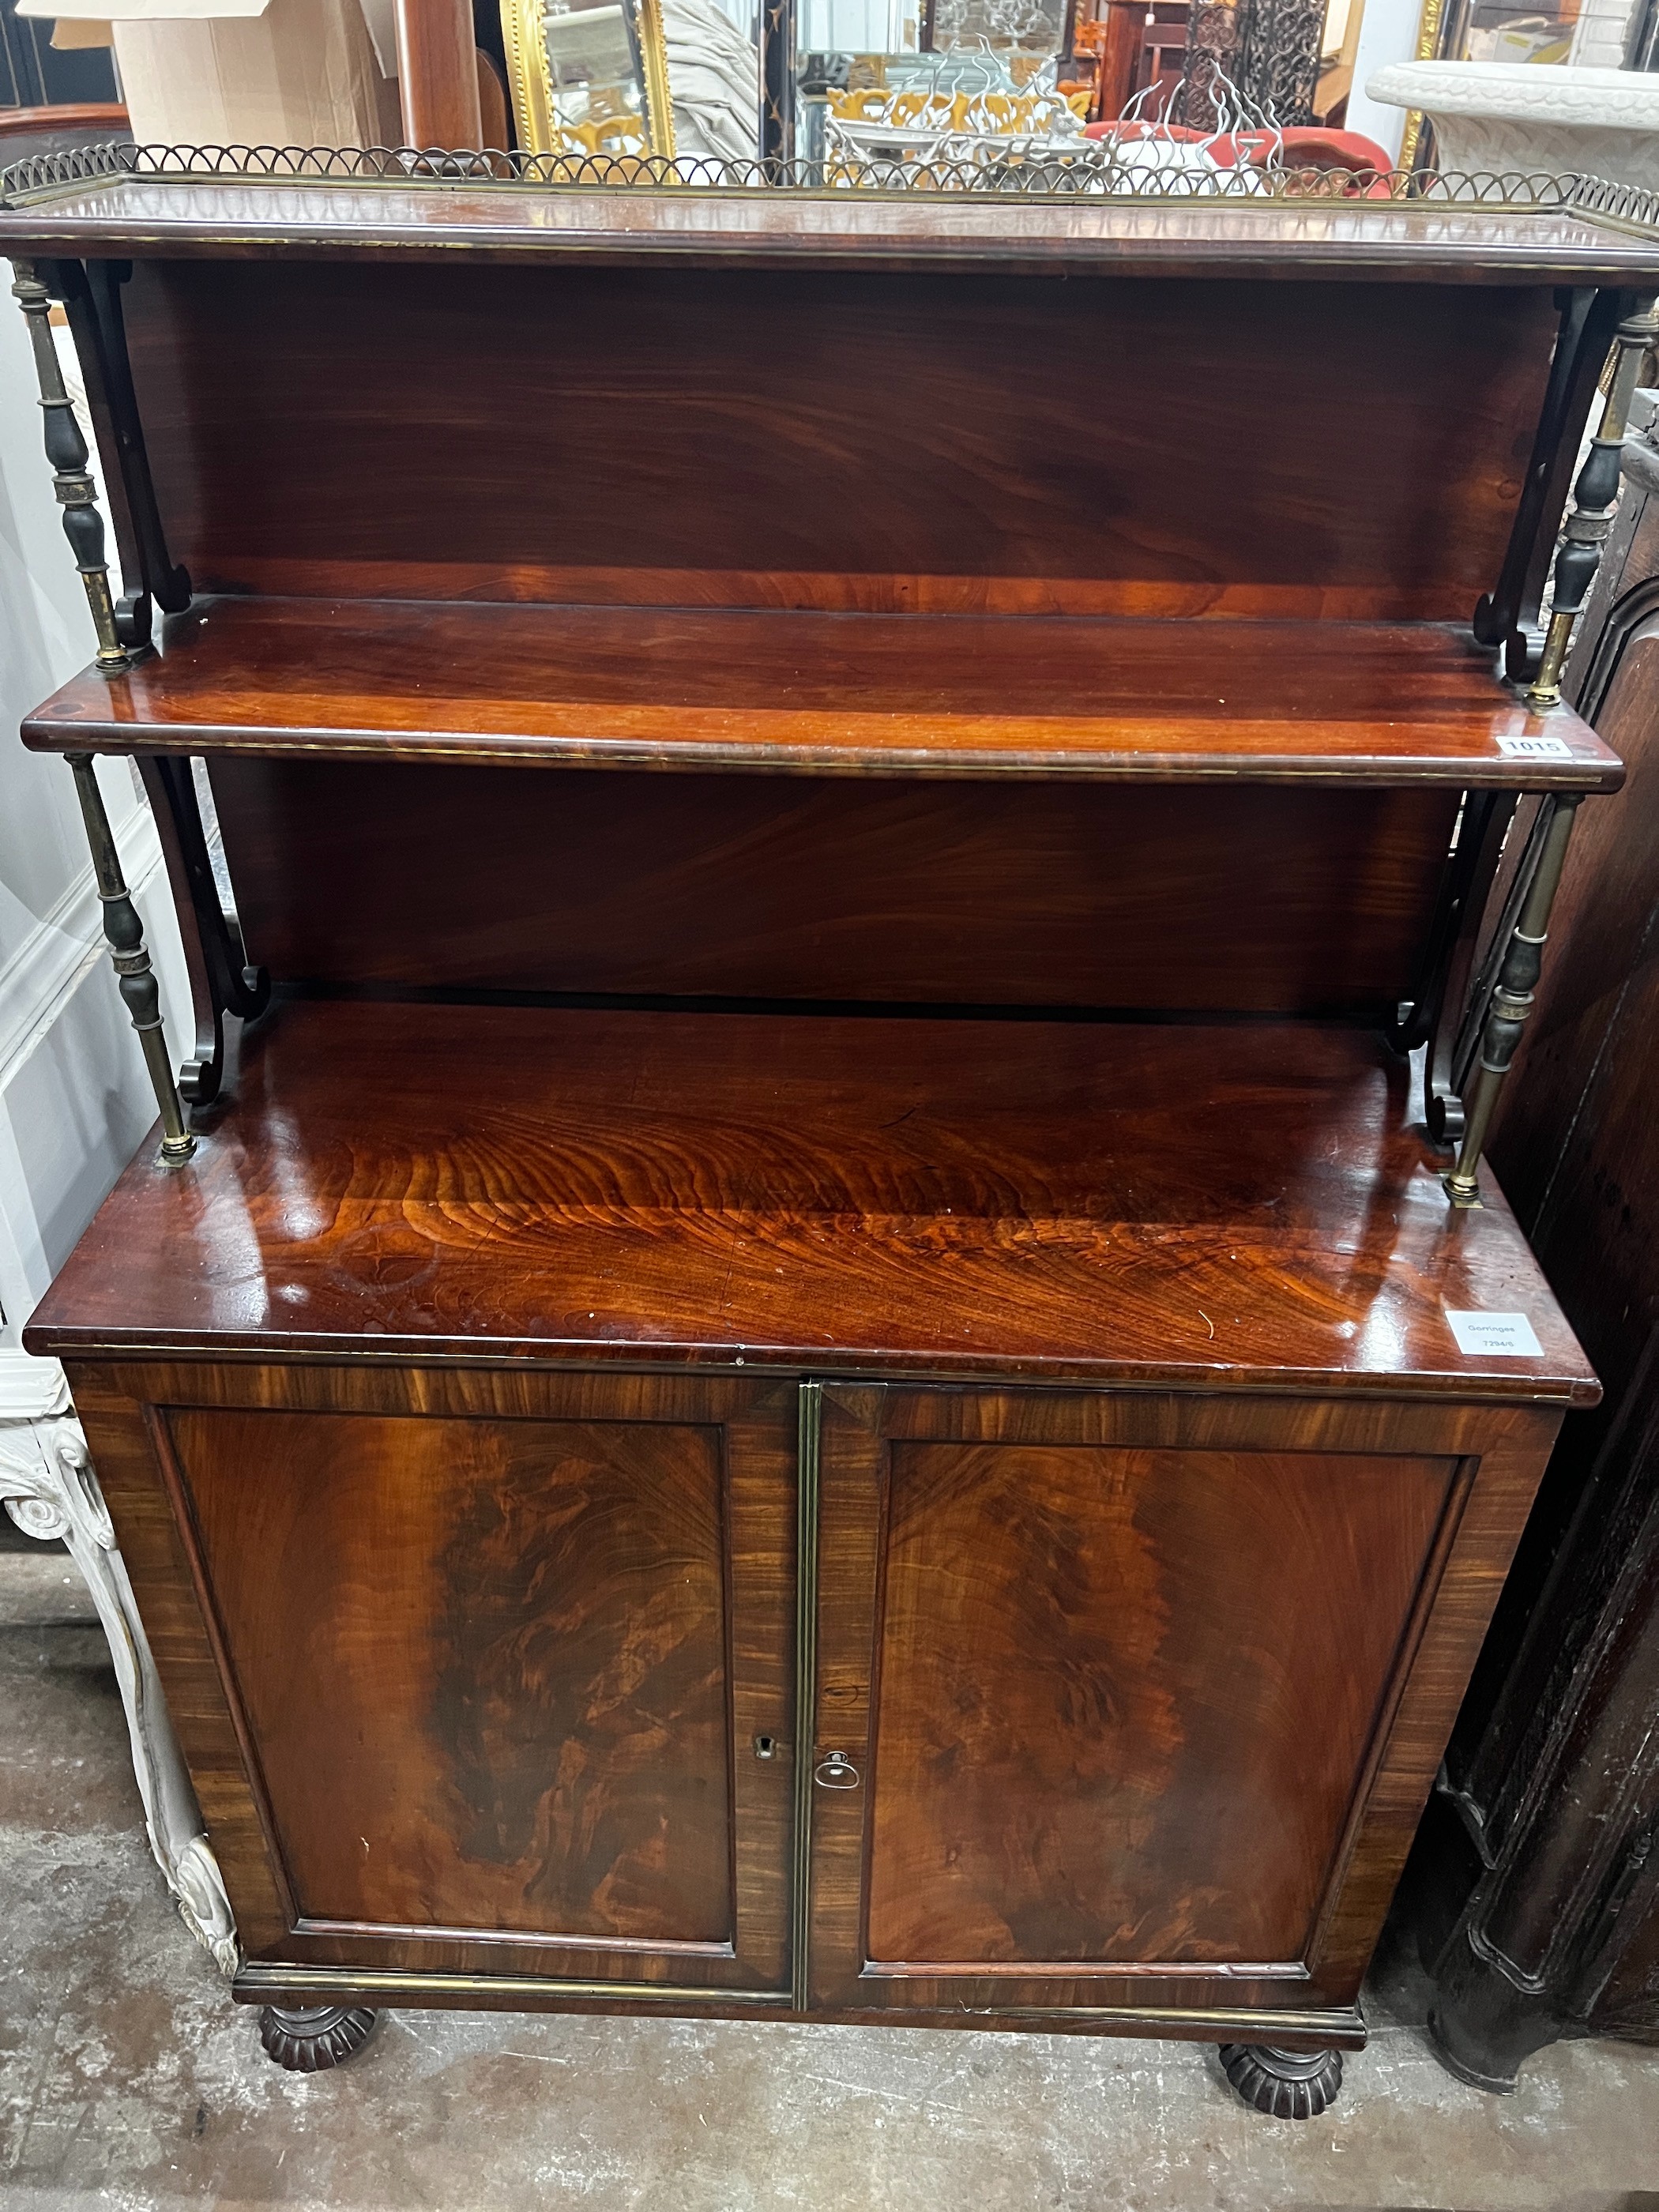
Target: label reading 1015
1534 747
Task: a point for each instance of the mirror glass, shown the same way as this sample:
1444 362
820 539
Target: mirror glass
596 89
678 78
1078 94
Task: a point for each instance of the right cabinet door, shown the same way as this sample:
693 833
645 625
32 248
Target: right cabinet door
1131 1702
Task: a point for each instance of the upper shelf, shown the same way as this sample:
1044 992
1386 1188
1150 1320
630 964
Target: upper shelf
831 694
382 212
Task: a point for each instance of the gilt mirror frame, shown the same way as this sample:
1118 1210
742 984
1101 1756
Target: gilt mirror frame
532 82
1431 26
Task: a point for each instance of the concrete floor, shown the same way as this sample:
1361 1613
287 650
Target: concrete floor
129 2080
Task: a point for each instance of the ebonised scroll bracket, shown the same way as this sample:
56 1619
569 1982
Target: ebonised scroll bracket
1483 2025
1508 615
1444 983
220 980
1445 1023
131 957
1595 496
66 450
311 2038
1287 2085
91 294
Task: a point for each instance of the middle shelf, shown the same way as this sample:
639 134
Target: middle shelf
1023 696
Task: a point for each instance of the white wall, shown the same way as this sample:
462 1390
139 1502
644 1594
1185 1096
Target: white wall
1599 35
75 1102
857 27
1387 33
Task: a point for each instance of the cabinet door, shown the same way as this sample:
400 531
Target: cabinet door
498 1649
1112 1692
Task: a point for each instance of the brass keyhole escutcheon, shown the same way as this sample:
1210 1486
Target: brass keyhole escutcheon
835 1770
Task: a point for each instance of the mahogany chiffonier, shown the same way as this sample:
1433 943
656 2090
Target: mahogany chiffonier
805 1345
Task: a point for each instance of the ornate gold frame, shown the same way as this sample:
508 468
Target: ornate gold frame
527 68
1428 50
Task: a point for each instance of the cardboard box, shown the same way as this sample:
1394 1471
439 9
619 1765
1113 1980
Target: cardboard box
249 72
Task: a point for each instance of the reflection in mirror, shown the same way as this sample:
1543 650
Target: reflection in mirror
905 81
1003 26
1508 31
714 77
1090 93
596 88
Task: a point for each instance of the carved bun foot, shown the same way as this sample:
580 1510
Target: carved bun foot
309 2039
1290 2085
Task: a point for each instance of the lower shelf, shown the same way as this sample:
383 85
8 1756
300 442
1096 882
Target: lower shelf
1243 1204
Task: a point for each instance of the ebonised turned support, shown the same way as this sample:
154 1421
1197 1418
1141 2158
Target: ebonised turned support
66 449
131 956
1287 2085
311 2038
1512 1000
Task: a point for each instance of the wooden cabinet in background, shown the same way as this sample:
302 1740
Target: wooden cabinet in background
1534 1893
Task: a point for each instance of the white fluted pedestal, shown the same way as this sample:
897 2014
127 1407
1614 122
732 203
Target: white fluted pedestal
1508 118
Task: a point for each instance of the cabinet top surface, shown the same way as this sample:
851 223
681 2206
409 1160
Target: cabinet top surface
175 212
1215 1207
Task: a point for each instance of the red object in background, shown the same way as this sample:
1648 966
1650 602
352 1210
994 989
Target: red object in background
1177 133
1335 150
1309 149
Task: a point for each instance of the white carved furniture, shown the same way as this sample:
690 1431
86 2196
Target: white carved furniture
49 1489
1506 119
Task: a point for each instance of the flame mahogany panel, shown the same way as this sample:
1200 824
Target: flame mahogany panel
1112 1721
1242 899
837 439
1142 1689
485 1664
468 1666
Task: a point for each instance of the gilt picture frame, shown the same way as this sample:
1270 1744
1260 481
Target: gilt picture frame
551 115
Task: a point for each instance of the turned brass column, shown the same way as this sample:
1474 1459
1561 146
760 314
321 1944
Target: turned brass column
1511 1002
66 450
131 957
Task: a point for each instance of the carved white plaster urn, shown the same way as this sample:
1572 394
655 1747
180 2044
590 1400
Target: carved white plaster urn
1518 117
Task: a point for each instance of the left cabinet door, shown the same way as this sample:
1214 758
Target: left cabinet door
502 1658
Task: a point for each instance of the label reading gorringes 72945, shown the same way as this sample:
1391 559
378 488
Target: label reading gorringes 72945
1500 1334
